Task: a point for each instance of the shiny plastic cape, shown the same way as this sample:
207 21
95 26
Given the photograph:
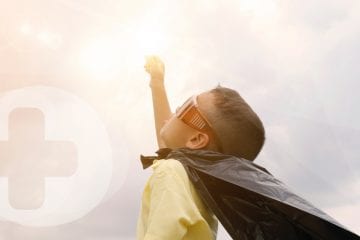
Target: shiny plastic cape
249 202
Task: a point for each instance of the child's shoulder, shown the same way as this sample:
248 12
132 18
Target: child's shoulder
167 164
170 168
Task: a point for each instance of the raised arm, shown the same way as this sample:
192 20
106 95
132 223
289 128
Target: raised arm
155 67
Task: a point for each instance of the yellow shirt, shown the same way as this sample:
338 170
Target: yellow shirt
171 208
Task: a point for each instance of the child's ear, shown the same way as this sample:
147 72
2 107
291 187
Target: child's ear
197 141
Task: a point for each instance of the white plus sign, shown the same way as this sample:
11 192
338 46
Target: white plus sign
27 158
55 155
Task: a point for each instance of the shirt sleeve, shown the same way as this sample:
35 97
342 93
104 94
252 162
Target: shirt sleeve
172 209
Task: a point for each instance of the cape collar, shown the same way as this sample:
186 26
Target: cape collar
147 161
195 155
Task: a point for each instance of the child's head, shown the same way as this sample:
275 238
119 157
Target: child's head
218 120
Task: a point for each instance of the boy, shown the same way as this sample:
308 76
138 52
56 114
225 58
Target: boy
218 120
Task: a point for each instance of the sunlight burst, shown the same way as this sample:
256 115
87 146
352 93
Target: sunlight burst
127 44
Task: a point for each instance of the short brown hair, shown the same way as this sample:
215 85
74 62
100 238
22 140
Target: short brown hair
239 129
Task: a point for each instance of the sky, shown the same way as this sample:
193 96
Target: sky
294 62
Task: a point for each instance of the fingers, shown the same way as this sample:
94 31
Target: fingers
153 62
153 59
149 62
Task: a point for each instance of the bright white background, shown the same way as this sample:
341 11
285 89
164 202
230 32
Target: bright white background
295 62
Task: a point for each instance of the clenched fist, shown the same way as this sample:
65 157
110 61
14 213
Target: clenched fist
156 68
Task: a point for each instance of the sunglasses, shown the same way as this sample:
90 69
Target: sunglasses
190 114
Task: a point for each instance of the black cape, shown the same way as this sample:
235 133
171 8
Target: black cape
249 202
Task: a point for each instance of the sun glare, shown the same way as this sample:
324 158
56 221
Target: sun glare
146 38
150 41
128 45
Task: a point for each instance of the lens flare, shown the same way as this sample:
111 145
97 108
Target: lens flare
101 58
